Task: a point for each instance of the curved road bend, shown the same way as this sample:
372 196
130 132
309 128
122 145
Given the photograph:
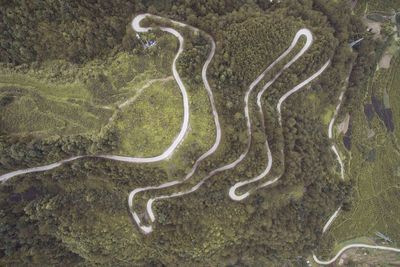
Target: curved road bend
167 153
330 135
148 229
232 191
185 123
284 97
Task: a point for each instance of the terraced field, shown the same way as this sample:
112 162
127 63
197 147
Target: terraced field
373 166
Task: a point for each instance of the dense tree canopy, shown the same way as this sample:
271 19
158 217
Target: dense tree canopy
77 214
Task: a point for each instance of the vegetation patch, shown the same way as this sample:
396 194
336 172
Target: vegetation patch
149 125
373 167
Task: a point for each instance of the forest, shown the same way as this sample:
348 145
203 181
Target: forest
77 214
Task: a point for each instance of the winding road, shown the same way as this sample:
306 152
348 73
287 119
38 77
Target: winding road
321 262
334 149
309 40
148 229
233 164
185 125
336 213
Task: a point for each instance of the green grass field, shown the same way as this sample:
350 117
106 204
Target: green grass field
133 93
374 168
150 123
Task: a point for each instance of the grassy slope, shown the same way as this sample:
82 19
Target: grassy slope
152 121
41 105
383 5
32 113
57 94
95 236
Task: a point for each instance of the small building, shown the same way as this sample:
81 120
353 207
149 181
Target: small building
146 44
150 43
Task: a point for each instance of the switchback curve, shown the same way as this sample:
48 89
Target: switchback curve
321 262
246 98
148 229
